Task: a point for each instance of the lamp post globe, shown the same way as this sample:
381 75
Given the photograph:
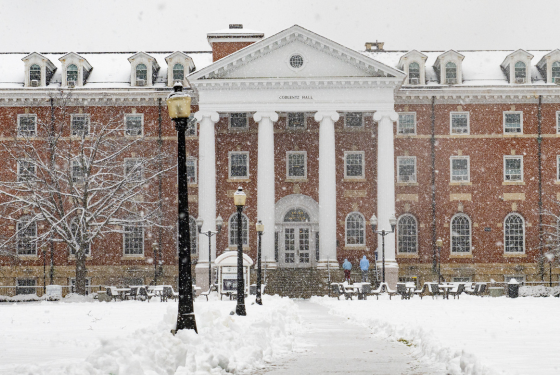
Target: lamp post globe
260 230
439 245
179 108
239 199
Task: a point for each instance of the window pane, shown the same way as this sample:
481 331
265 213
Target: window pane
407 234
141 72
354 119
512 123
78 172
407 170
450 71
459 123
133 169
178 72
191 171
239 165
296 120
459 169
355 225
72 73
513 169
133 124
354 165
407 123
414 71
26 235
133 240
296 165
26 171
238 120
233 230
35 73
26 286
514 234
80 125
520 71
460 234
27 125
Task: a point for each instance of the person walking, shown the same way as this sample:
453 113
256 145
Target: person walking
364 266
346 266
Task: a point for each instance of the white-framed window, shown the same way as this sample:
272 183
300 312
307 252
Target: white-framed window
514 233
133 238
557 167
27 125
232 229
239 164
191 127
79 125
77 171
354 164
296 120
26 235
467 279
354 120
238 121
178 72
450 73
35 75
460 168
134 124
519 278
406 123
459 123
133 169
520 72
26 171
355 229
407 234
296 164
460 234
141 75
556 72
414 73
513 122
72 74
76 232
513 168
558 122
26 286
406 168
191 170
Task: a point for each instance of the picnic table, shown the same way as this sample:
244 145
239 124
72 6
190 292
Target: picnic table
123 292
446 289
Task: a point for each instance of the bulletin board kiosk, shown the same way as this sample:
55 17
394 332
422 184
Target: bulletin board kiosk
227 272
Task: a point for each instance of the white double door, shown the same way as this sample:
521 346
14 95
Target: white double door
297 246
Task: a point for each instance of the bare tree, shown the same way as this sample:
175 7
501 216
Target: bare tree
80 179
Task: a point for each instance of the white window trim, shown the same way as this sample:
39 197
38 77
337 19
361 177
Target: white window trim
88 124
397 234
557 122
141 168
399 158
26 115
19 169
420 69
451 234
451 168
524 234
80 181
288 127
35 253
354 127
513 157
346 230
229 165
124 243
346 153
399 125
557 167
234 216
246 127
288 153
142 125
195 169
504 121
468 122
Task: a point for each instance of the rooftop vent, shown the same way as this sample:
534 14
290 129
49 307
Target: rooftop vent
378 46
235 26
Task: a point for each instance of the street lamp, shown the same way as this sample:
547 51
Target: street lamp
383 233
155 250
239 199
439 245
260 230
209 234
550 256
179 107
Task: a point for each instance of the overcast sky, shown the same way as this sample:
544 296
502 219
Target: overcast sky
152 25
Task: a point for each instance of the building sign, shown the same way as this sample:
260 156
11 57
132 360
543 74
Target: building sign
295 97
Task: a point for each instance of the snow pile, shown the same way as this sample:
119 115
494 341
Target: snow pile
21 298
473 335
225 343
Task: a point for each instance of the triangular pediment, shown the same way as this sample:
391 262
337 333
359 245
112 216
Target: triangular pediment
317 56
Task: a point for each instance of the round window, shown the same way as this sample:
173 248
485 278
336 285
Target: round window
296 61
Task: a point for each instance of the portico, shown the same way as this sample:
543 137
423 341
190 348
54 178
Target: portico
297 71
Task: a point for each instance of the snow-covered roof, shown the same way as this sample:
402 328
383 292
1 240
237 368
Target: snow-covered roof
110 70
480 68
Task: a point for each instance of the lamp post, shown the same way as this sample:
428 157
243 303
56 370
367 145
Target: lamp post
209 234
260 230
439 245
155 250
239 199
44 268
179 107
383 233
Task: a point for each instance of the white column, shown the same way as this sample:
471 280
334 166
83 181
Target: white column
266 199
386 191
327 188
206 191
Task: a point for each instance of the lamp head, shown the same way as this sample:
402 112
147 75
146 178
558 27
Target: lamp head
260 226
439 242
393 222
219 223
373 222
239 198
199 223
179 103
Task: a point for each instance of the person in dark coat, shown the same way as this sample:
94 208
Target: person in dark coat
347 267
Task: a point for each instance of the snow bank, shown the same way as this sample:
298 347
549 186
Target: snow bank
472 336
225 343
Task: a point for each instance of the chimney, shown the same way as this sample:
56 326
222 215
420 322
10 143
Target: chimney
378 46
227 41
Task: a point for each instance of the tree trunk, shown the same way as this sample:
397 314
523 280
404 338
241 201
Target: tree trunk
81 270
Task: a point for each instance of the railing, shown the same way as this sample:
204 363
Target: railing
12 290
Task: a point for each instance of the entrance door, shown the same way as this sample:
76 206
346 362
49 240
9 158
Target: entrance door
297 240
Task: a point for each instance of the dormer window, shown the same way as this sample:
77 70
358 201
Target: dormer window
75 70
35 75
141 75
450 73
178 72
179 65
556 72
414 73
144 70
516 66
72 75
520 72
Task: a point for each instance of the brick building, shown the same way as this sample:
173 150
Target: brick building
321 138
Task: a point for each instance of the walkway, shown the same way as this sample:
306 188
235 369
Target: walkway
330 345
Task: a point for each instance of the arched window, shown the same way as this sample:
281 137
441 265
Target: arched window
460 234
414 73
233 230
407 234
35 73
141 72
297 215
178 72
194 234
355 229
514 233
71 73
450 72
556 72
520 71
26 235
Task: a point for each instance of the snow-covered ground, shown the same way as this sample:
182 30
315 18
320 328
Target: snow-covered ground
133 337
472 335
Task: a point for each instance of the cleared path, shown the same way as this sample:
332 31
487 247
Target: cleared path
330 345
